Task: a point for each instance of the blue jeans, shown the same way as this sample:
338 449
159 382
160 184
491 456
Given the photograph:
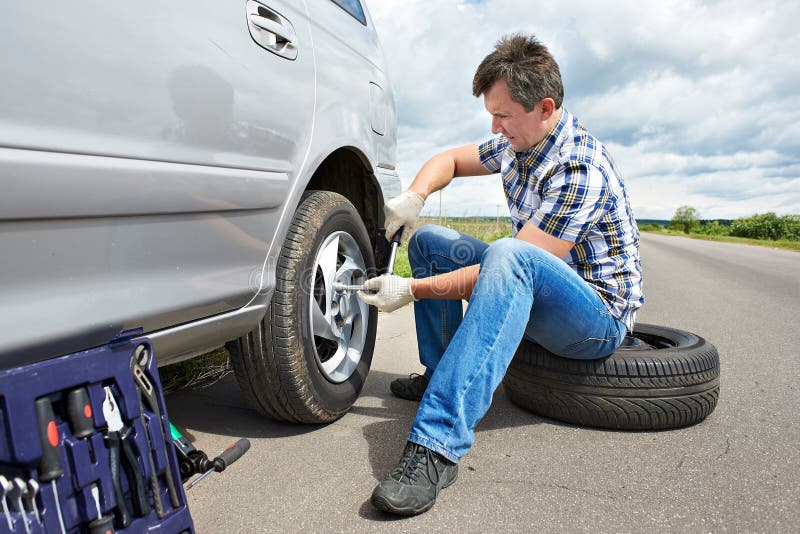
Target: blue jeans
522 292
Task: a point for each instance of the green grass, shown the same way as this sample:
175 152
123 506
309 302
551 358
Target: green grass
488 230
782 244
197 373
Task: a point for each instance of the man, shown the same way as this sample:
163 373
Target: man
569 279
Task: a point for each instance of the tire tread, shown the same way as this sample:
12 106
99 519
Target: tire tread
631 389
268 362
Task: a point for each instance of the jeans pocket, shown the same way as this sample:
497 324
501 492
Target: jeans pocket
589 349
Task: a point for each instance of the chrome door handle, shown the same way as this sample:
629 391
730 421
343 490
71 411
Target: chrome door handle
280 31
271 30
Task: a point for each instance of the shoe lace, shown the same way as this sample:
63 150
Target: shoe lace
417 460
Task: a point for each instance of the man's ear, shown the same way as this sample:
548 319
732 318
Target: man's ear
548 107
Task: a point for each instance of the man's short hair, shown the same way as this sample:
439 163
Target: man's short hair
527 68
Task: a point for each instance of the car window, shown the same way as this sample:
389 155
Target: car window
354 8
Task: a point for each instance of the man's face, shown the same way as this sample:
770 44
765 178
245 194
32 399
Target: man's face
523 129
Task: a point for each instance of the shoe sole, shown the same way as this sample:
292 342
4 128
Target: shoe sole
385 506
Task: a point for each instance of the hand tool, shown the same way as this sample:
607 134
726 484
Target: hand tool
120 453
231 454
188 457
154 487
33 490
18 486
393 253
50 465
103 524
389 269
6 486
81 420
146 393
79 410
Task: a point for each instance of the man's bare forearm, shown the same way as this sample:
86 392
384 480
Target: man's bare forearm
436 174
440 170
453 285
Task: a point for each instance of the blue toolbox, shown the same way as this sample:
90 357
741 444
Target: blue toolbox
85 446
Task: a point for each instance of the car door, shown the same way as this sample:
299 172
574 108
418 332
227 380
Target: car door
146 151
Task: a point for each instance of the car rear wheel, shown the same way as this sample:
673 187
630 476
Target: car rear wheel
308 360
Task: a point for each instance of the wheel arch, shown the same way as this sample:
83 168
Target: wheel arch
348 172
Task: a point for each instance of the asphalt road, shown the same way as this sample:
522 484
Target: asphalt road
736 471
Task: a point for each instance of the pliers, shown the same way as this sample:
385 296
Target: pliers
121 453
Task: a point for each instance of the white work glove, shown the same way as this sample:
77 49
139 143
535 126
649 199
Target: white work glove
393 292
402 210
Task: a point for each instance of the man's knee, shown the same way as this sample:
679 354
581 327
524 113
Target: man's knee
509 254
418 245
505 251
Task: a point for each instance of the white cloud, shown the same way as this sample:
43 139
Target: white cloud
697 101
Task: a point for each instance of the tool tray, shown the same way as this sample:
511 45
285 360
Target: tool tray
85 461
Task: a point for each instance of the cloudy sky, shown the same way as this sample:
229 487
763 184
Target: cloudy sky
699 102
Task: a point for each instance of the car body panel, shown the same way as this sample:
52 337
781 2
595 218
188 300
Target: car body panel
152 155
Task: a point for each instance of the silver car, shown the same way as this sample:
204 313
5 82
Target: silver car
199 173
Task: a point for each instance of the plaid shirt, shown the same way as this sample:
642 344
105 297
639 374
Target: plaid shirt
568 186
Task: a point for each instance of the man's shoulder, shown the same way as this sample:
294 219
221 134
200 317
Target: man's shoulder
579 147
490 152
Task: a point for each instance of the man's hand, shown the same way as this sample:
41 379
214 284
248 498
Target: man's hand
402 210
393 292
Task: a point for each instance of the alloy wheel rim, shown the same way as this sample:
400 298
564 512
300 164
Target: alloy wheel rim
338 320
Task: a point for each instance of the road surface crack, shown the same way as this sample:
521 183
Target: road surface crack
727 448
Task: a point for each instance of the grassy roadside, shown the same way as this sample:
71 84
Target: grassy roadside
485 230
197 373
782 244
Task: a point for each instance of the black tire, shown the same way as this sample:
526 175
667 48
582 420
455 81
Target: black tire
660 378
276 365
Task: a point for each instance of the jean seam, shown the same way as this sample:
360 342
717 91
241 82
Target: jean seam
600 339
434 445
444 326
472 380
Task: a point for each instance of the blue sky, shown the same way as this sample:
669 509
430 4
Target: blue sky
699 102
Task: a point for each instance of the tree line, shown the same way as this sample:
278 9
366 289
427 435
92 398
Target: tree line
767 226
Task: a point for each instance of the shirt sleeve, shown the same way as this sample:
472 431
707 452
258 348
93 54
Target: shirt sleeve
573 201
491 153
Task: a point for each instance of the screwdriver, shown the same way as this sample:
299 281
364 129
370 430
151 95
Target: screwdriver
79 410
231 454
50 465
104 524
389 269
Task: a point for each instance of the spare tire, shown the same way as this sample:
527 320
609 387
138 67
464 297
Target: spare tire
659 378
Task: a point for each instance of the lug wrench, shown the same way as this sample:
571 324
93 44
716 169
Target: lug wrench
6 486
138 362
345 288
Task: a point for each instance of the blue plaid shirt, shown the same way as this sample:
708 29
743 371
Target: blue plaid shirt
568 186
